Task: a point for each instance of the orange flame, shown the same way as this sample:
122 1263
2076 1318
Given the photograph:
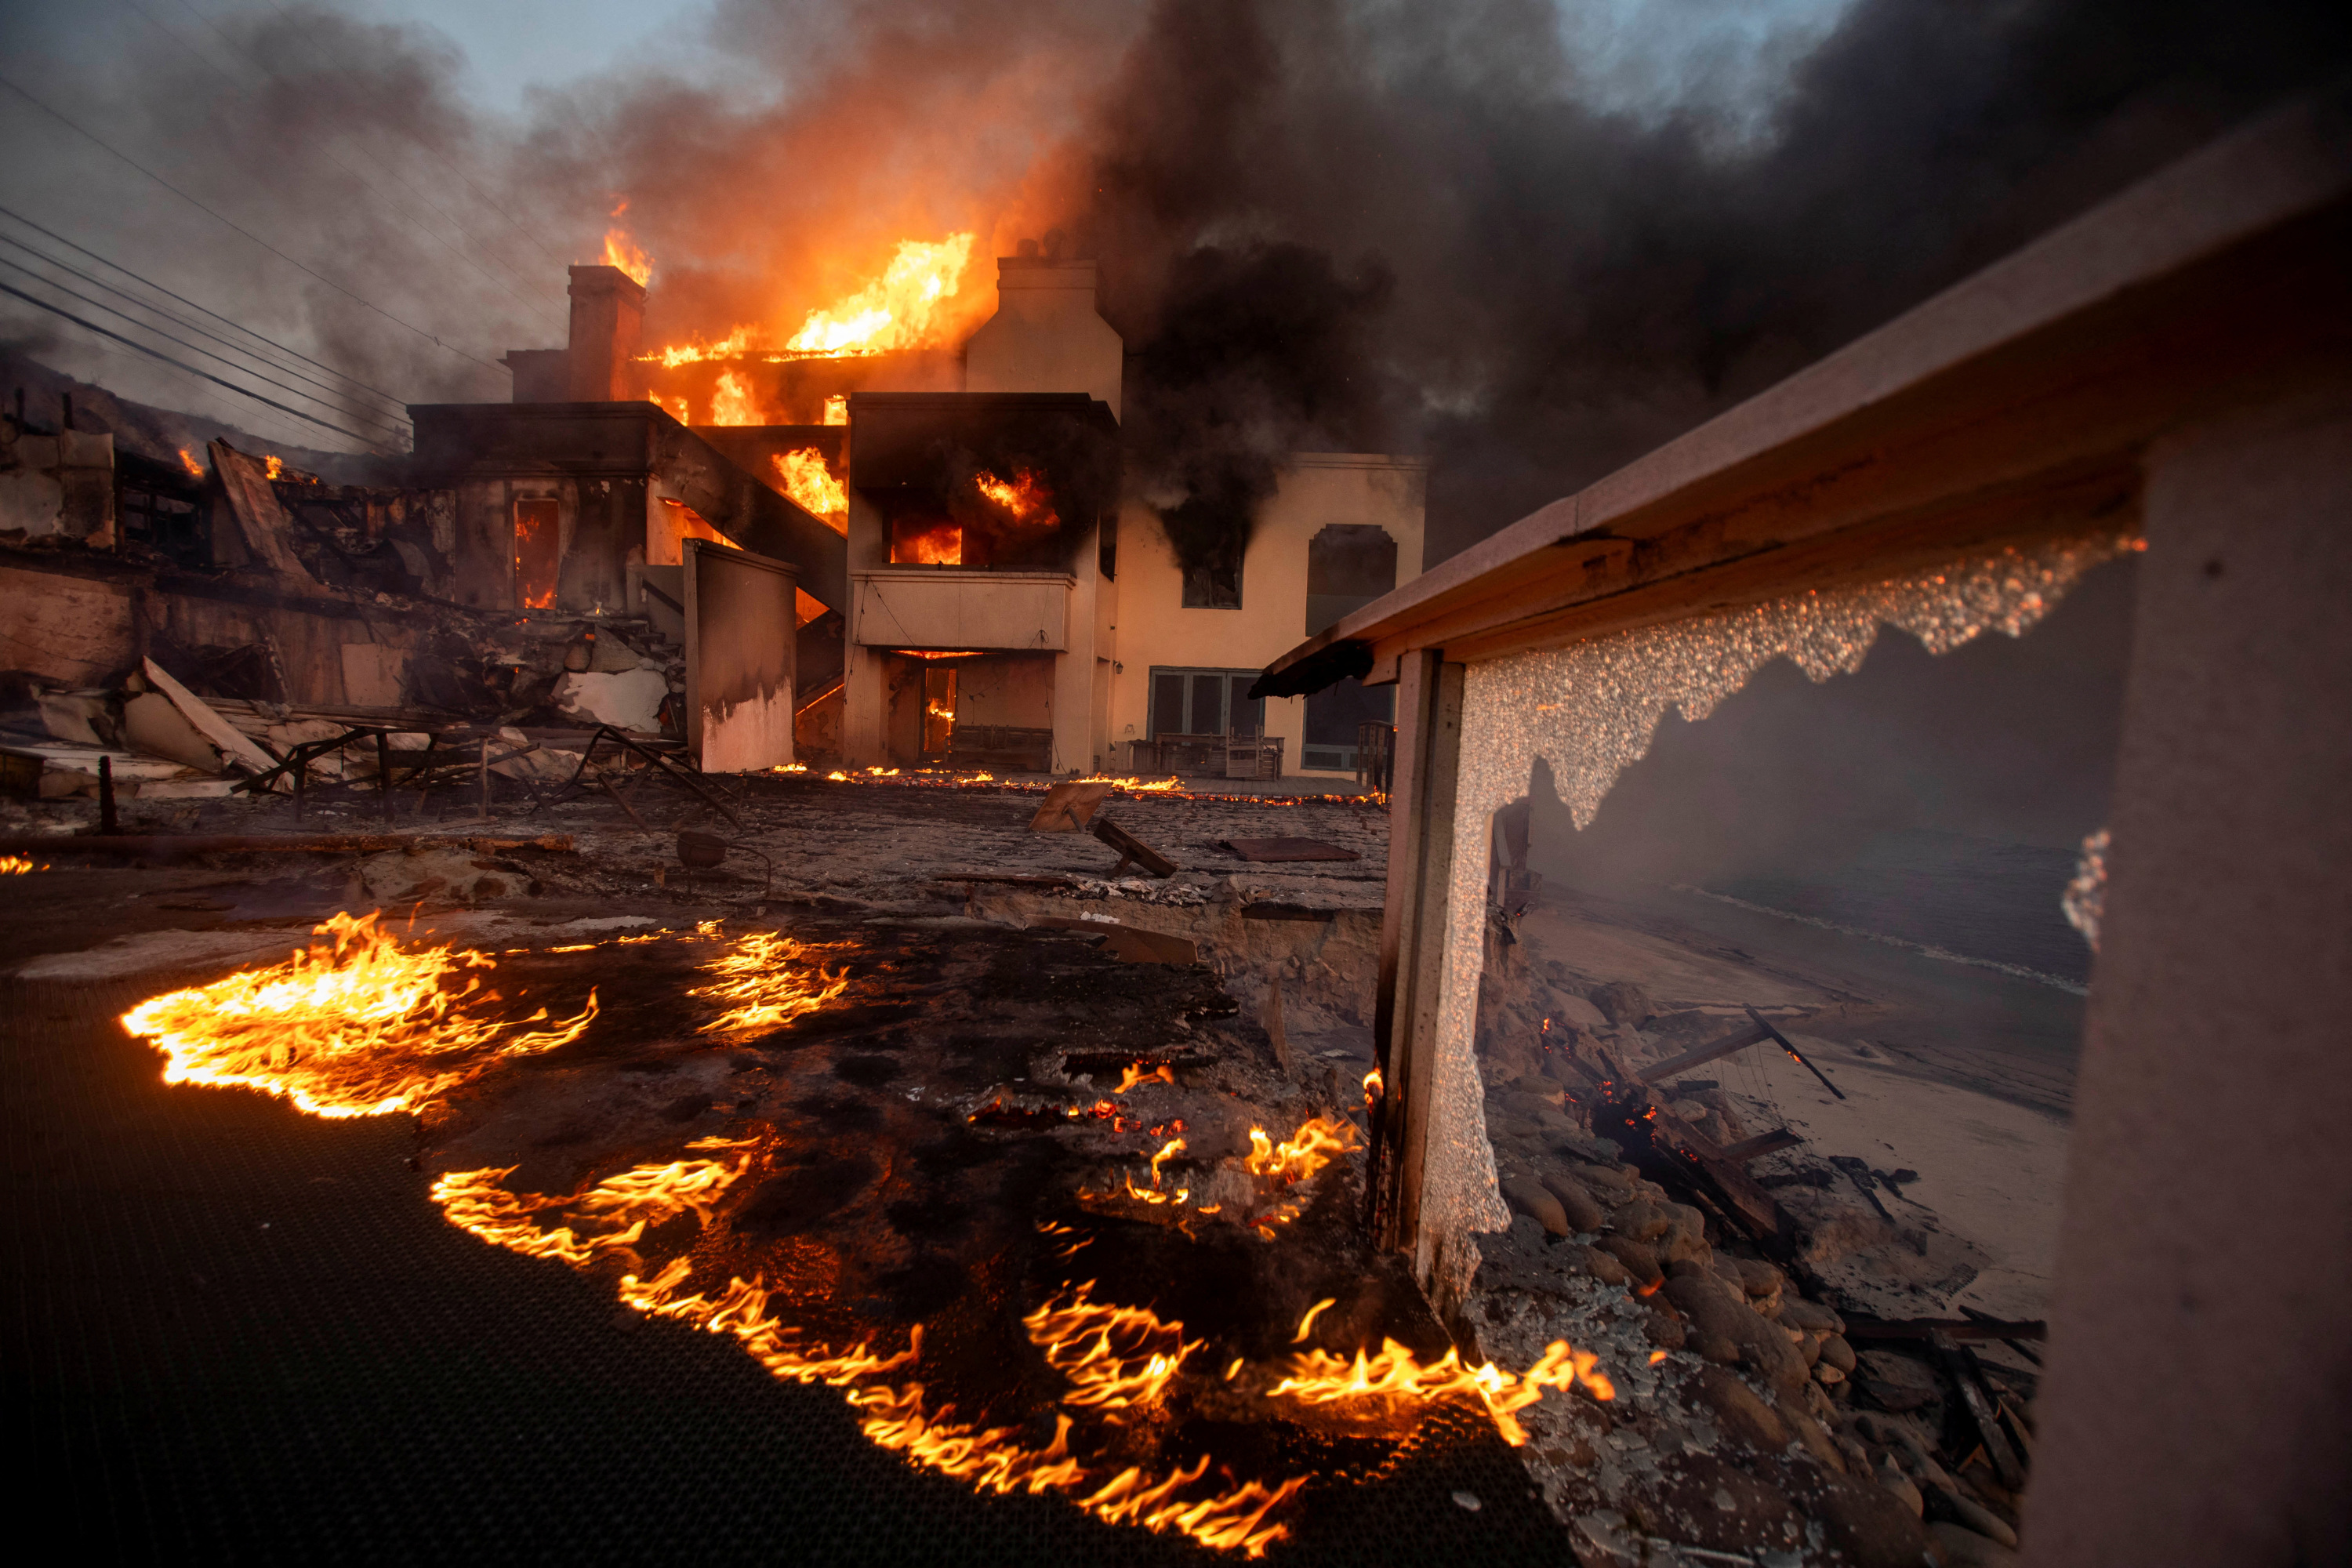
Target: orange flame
837 409
812 487
733 402
675 404
1133 1074
767 993
360 1027
894 312
276 467
622 252
1373 1087
1316 1144
1318 1378
188 462
734 345
17 865
1138 786
1024 496
1115 1357
941 544
477 1201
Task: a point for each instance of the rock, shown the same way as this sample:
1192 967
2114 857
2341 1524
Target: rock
1895 1382
1639 1260
1740 1411
1605 1267
1716 1348
1679 1246
1618 1179
1838 1353
1585 1215
1717 1315
1816 1440
1699 1501
1759 1278
1811 1316
1808 1347
1725 1268
1528 1196
1623 1003
1641 1221
1965 1548
1950 1506
1665 1326
1869 1524
1890 1476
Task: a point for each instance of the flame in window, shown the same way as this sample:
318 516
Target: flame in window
811 485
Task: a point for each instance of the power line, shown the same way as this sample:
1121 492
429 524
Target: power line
310 272
366 415
239 90
184 300
192 370
328 387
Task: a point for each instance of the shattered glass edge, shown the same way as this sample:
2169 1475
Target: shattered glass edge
1590 710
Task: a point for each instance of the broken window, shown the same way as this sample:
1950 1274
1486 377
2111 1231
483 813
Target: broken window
1217 583
538 552
1349 564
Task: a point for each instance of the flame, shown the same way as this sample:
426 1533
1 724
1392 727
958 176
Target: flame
478 1201
1115 1357
837 409
678 405
1140 786
277 466
188 462
1306 1324
1315 1145
622 252
789 768
1133 1074
811 485
734 345
1025 496
360 1027
1373 1087
895 311
1316 1377
734 402
17 865
941 544
767 993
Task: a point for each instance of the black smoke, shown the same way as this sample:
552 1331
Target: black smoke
1425 235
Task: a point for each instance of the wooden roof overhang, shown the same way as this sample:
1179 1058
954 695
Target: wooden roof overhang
2015 404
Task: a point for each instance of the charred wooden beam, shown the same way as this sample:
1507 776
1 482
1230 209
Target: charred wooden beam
1702 1055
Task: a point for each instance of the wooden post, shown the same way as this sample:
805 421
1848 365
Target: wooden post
1422 801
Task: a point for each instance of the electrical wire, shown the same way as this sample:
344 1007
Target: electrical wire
228 223
373 415
365 416
215 315
192 370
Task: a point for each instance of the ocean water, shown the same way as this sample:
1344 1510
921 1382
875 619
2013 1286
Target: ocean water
1959 898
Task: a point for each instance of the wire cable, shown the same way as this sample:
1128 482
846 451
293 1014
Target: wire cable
228 223
333 390
184 300
364 415
192 370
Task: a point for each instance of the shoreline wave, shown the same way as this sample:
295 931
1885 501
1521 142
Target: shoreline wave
1926 950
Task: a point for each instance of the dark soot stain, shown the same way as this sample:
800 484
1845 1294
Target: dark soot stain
869 1072
840 1112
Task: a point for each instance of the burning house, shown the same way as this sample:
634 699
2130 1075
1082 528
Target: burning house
621 1035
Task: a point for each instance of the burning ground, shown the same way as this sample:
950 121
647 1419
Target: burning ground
1044 1222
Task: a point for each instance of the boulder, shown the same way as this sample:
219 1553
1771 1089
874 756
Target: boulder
1528 1196
1890 1475
1810 1316
1895 1382
1623 1003
1642 1220
1813 1438
1759 1278
1584 1212
1869 1524
1740 1411
1717 1315
1640 1262
1605 1267
1964 1548
1837 1353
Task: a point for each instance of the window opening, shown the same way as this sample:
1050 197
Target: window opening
538 552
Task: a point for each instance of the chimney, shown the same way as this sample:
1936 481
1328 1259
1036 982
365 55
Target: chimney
1045 335
608 311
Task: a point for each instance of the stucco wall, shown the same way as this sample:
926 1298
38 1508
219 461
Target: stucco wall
1153 627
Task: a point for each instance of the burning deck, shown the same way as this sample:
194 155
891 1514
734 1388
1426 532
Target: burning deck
890 1158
